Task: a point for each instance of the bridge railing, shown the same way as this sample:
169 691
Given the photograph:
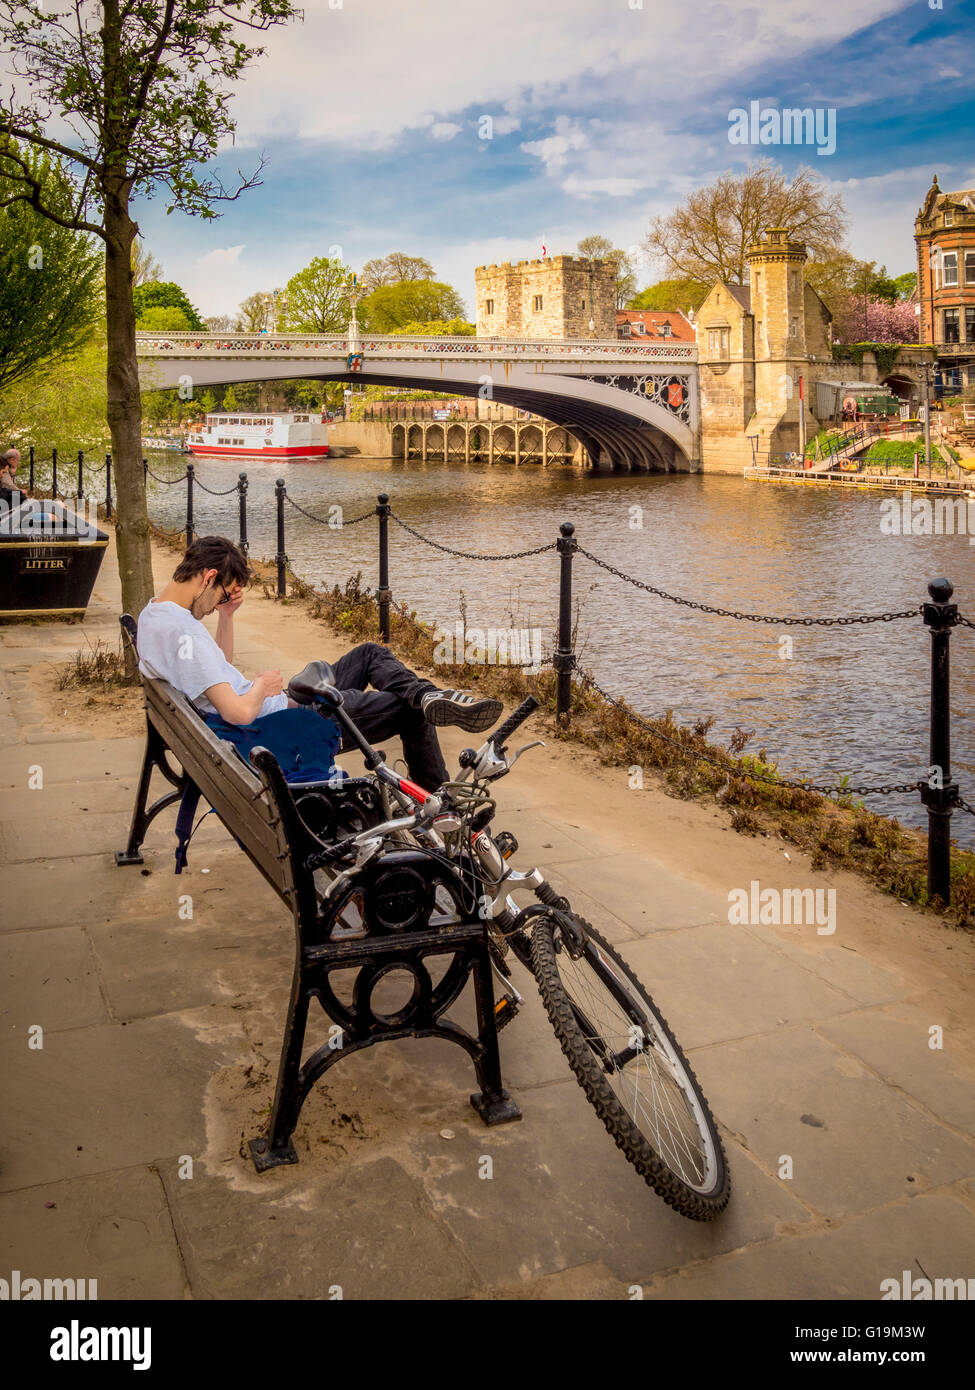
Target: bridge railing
401 346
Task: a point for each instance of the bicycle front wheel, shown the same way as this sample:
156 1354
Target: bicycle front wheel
629 1064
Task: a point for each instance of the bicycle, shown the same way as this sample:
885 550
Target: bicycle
618 1044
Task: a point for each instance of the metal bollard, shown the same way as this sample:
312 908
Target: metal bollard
940 616
145 472
54 472
383 592
189 505
563 658
242 506
108 485
281 557
81 473
31 484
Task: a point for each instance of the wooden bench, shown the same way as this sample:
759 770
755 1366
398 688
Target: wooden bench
395 892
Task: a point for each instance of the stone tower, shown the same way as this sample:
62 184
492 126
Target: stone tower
755 341
777 287
552 298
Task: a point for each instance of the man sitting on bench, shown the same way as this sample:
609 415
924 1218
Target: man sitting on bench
174 644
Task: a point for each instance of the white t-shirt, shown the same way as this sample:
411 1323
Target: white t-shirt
176 646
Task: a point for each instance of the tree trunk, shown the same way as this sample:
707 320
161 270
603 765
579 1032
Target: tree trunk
125 413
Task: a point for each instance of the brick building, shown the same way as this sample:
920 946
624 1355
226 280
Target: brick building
558 297
944 234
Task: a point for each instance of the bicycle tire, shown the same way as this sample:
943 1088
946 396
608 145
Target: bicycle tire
700 1200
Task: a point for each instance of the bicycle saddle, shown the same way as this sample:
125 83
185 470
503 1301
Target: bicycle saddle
314 684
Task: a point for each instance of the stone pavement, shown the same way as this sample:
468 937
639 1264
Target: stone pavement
120 1156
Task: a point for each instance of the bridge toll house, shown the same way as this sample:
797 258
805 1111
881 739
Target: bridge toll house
755 342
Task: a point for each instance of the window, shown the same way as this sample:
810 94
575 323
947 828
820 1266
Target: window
626 330
970 324
758 330
640 327
537 304
489 306
970 267
949 268
950 334
718 339
949 218
794 328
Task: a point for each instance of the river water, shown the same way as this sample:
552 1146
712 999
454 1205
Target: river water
848 701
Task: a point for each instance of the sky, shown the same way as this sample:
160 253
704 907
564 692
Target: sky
603 113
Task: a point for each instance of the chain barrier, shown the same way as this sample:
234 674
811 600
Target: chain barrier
224 492
170 482
963 805
321 520
965 622
737 770
750 617
470 554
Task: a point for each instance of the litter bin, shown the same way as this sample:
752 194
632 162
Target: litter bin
50 556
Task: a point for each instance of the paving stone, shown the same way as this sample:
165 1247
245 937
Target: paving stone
102 1097
113 1228
155 967
67 761
717 982
49 979
833 962
646 895
95 889
560 1160
934 1233
894 1042
855 1143
370 1234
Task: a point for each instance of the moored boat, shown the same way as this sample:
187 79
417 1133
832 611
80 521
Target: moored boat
298 434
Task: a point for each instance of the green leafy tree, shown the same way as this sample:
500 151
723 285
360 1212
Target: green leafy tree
315 298
394 268
134 96
50 299
230 399
906 284
439 328
158 319
163 294
207 403
410 301
61 404
671 294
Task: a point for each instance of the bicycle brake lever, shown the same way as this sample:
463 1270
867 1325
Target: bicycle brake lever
536 743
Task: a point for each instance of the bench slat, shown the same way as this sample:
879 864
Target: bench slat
234 791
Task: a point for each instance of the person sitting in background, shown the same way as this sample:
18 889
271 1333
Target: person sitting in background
174 644
9 493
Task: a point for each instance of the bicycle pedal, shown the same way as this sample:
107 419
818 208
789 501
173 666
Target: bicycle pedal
505 1010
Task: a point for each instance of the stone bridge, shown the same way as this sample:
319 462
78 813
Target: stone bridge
631 405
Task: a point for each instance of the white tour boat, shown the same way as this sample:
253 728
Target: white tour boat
294 436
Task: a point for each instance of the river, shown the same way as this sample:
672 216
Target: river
847 701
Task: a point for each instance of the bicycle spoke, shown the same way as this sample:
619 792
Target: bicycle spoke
649 1085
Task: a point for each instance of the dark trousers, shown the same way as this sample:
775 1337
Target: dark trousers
390 709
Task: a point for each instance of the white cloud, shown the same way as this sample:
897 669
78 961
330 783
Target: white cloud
329 80
445 130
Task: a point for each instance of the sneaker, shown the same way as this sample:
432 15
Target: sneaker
454 707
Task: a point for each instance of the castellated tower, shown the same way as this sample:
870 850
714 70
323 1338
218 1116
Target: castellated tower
778 309
555 298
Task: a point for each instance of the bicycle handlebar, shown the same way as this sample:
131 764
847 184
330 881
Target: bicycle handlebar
514 721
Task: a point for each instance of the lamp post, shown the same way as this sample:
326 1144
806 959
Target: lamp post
592 304
925 368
